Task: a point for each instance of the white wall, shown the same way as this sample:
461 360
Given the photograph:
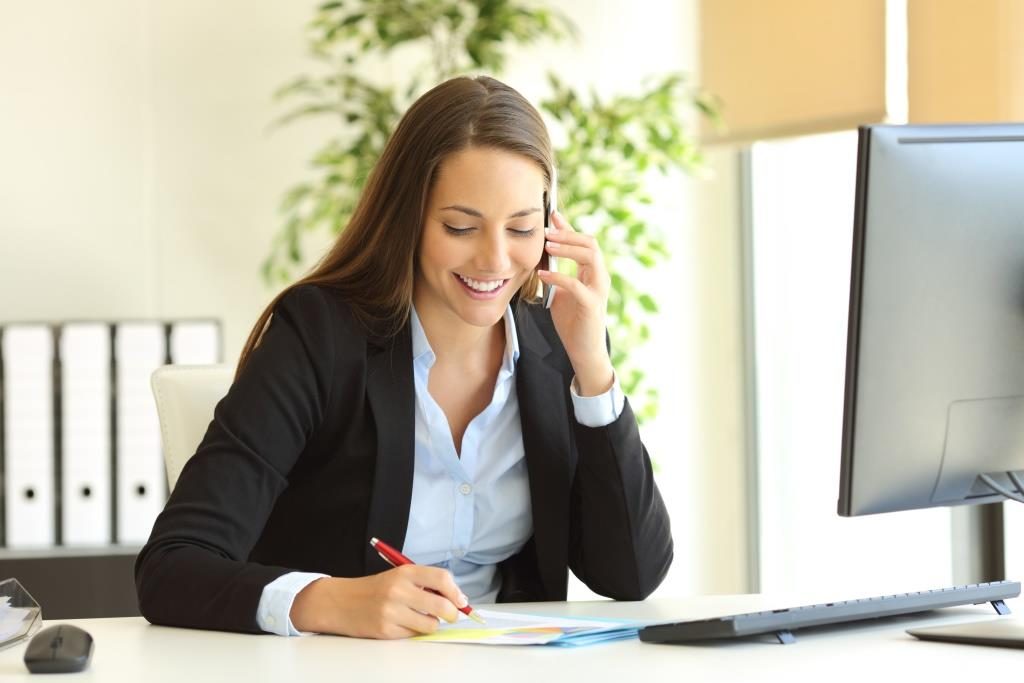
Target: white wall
138 178
217 170
73 136
714 397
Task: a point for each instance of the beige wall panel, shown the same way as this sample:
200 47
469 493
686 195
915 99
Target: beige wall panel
791 67
1013 37
966 60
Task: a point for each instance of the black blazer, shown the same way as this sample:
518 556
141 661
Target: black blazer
311 453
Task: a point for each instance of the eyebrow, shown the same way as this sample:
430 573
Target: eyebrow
476 214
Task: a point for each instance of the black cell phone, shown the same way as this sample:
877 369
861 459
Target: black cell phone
550 206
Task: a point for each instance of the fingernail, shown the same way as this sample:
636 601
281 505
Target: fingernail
548 231
463 600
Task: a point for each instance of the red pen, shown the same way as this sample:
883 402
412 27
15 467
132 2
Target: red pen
397 559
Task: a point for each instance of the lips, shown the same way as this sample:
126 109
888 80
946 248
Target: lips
479 289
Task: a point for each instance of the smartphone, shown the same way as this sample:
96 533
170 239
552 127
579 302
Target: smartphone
550 206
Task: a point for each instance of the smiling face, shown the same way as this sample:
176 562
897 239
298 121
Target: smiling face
483 234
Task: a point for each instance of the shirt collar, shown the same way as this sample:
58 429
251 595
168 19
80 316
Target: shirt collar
421 351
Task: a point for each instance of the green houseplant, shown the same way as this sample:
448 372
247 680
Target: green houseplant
611 145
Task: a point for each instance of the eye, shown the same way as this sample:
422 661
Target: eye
452 230
522 233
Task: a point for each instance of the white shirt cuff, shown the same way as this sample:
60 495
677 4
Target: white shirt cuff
600 410
274 611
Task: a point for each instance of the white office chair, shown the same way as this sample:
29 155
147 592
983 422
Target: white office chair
185 399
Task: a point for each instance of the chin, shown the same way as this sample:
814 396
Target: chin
482 316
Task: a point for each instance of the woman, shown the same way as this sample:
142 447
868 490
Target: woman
412 389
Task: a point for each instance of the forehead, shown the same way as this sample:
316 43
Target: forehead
487 175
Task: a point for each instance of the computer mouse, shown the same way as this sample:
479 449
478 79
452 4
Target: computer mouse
63 648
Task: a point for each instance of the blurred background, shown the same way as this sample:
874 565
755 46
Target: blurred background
142 179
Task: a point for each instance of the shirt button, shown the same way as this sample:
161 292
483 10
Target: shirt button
459 553
465 489
270 620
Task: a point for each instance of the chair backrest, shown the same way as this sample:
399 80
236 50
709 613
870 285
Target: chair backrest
185 399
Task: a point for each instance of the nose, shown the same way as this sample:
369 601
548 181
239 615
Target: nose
492 254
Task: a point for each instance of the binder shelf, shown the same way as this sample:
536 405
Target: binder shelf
80 454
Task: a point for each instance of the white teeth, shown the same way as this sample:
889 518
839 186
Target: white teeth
479 286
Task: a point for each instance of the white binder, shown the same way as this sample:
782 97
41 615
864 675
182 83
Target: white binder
28 427
141 481
195 343
85 433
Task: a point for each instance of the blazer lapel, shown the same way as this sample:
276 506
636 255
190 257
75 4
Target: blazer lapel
545 420
391 396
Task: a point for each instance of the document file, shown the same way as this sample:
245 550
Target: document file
141 483
85 433
195 343
509 628
29 430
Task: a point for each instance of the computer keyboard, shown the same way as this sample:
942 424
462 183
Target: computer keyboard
782 622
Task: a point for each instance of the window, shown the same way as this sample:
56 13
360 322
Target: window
801 208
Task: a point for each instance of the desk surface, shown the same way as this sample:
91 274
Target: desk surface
130 649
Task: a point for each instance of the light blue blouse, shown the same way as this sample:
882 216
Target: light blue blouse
469 510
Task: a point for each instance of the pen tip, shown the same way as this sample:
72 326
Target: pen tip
477 618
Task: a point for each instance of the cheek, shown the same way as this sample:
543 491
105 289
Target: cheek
434 254
529 252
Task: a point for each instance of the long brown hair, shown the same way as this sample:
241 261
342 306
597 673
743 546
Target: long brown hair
372 263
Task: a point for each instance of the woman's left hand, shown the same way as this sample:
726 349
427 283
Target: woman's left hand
580 306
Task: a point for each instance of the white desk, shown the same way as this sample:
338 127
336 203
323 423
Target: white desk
130 650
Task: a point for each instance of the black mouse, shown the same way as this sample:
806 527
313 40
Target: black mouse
59 649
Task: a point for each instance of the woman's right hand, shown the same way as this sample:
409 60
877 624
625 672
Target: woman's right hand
392 604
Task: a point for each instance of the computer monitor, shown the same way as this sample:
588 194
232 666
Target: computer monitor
935 351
